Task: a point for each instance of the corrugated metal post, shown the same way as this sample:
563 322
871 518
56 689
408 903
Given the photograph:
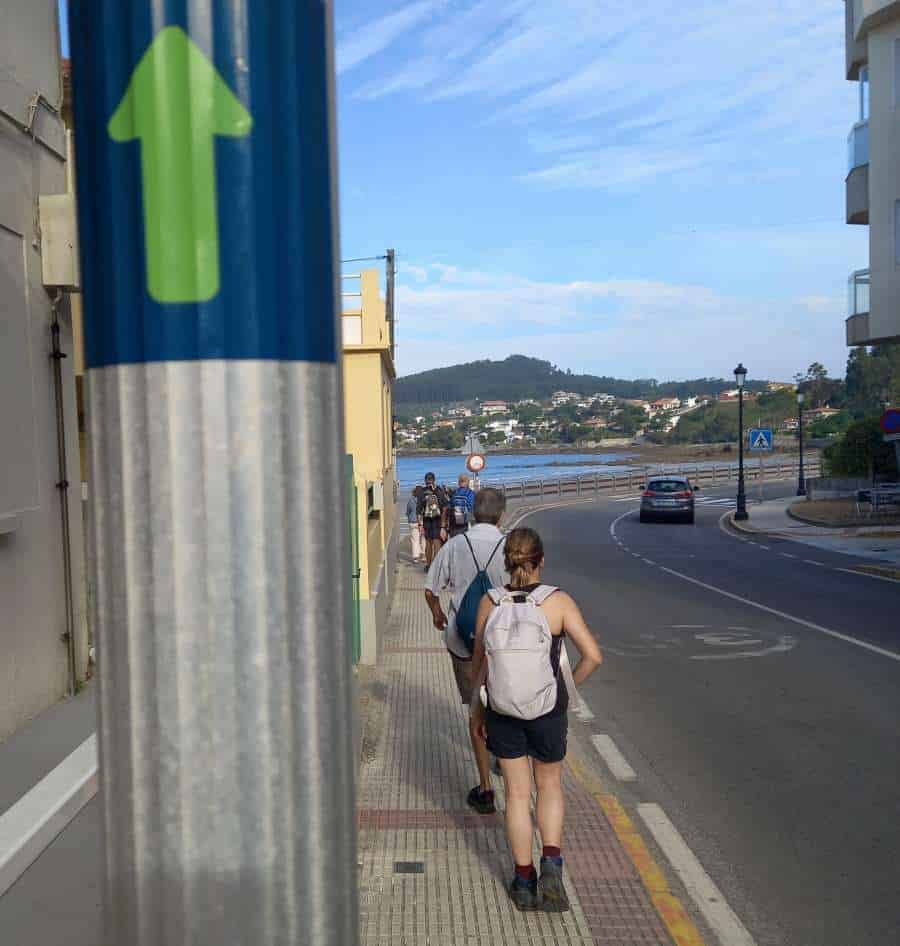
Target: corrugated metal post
208 216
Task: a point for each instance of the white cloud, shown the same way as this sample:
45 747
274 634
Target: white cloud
623 327
681 86
370 39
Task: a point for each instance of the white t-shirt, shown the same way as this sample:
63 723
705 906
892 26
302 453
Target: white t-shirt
454 568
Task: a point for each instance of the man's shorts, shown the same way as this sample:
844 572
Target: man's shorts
432 528
543 738
462 671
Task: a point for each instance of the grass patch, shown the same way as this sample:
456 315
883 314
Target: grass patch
841 512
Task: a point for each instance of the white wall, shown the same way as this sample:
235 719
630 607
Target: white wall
33 656
884 180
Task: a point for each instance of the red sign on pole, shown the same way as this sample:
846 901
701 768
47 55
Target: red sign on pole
890 421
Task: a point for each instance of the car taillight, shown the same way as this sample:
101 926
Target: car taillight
685 495
649 492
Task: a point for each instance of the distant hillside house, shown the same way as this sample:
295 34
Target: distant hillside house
494 407
729 395
563 397
774 386
598 423
666 404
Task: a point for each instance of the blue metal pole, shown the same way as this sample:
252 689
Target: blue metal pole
208 223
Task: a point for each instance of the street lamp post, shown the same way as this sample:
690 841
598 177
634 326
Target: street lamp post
801 486
740 376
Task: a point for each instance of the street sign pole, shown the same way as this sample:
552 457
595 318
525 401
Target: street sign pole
207 210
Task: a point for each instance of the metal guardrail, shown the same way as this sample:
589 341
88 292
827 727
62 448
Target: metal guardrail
630 481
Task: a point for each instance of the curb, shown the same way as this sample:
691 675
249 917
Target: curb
857 530
36 820
749 530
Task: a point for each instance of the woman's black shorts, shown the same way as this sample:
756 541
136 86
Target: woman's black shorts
543 738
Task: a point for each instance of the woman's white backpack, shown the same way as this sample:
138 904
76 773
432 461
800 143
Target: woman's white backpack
517 641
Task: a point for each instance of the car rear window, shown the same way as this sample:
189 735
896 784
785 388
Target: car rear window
668 486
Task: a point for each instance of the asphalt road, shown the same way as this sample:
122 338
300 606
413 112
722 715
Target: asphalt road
771 743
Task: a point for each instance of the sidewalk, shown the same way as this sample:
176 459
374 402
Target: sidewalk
434 872
771 518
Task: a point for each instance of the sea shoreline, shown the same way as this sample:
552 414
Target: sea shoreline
625 454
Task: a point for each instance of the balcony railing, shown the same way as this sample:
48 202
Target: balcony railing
858 146
858 292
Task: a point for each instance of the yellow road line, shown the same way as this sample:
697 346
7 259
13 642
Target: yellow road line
670 909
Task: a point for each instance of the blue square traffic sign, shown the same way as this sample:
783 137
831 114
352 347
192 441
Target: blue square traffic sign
760 438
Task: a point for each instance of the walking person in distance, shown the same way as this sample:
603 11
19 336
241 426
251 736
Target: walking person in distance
432 516
415 530
520 655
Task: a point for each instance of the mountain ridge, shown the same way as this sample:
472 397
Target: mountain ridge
519 377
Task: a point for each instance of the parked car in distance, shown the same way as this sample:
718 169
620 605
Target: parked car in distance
668 497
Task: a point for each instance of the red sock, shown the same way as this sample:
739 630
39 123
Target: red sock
526 872
552 851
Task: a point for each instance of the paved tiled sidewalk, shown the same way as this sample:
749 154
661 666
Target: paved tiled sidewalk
431 870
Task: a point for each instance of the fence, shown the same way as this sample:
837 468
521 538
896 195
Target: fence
630 481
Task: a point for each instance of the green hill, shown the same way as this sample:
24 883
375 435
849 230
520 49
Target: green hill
718 422
518 377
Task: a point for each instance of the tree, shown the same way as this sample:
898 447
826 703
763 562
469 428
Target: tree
862 452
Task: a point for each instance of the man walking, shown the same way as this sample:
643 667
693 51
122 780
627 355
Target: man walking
455 567
432 516
415 532
462 504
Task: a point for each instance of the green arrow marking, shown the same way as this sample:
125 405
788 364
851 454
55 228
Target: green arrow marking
176 102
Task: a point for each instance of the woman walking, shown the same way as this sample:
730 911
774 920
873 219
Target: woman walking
520 654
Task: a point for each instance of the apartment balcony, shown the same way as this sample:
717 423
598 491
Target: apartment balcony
858 285
857 183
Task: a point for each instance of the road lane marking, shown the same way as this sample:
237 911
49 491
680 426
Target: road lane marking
703 890
670 909
810 561
787 555
853 571
783 614
615 761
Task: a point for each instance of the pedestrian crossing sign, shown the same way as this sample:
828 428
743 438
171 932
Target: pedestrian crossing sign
760 439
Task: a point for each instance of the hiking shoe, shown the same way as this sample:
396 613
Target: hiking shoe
552 891
524 894
482 802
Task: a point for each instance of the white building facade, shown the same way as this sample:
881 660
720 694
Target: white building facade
43 634
873 178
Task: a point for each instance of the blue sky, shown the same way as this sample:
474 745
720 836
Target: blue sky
650 189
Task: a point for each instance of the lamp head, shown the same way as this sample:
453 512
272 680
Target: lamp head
740 376
801 397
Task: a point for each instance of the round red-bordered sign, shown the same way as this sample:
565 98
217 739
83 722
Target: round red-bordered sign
890 421
476 462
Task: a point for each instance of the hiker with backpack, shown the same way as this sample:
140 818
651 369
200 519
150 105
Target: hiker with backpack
462 505
432 514
470 564
520 658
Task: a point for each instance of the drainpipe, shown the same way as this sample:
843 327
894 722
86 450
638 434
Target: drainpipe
57 355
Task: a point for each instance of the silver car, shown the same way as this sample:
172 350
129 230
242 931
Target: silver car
668 497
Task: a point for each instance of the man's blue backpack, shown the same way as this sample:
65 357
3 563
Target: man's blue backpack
467 612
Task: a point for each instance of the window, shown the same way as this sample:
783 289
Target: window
896 73
864 94
897 232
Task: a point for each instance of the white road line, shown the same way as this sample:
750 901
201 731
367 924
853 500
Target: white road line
851 571
787 555
764 547
810 561
649 561
38 817
893 655
706 895
615 761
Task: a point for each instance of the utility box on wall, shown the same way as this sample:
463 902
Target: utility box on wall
59 242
